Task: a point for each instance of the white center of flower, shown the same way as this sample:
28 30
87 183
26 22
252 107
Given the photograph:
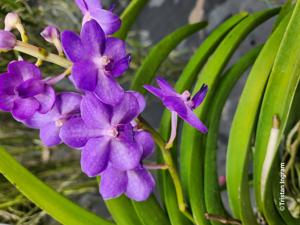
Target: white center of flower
185 95
59 123
102 61
112 132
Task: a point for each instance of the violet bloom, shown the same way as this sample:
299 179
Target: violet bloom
104 134
97 61
92 9
66 106
23 92
137 183
7 40
179 104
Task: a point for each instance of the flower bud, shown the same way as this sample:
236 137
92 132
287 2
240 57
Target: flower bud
12 20
7 40
50 34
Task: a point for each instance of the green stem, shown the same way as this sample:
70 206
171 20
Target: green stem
171 166
42 54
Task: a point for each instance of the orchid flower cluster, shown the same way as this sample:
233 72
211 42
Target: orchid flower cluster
99 119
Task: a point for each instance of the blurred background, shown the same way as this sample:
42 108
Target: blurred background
59 166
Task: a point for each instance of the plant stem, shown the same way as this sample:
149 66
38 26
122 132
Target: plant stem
171 166
42 54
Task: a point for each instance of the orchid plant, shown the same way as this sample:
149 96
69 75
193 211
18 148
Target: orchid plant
103 120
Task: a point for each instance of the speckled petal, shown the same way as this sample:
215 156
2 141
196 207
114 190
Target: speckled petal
140 184
95 156
113 183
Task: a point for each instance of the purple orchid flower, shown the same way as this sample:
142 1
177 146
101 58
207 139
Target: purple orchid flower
92 9
104 134
66 106
7 40
23 92
136 183
97 61
179 104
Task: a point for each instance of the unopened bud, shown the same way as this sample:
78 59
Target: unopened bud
12 20
50 34
7 40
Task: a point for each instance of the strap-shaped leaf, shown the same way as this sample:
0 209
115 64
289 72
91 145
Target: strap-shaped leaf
278 99
57 206
129 16
149 213
192 149
185 82
122 211
213 200
159 53
244 120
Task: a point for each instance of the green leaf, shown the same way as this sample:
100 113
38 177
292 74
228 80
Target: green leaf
192 149
129 16
185 82
159 53
228 81
122 211
278 100
244 120
150 213
57 206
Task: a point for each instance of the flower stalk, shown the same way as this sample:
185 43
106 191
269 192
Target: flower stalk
167 156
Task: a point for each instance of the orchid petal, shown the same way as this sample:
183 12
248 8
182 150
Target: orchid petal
24 108
49 134
94 112
84 75
146 141
75 133
155 91
125 155
24 69
113 183
140 184
46 99
199 96
175 104
72 46
95 156
165 86
126 110
108 90
109 21
93 38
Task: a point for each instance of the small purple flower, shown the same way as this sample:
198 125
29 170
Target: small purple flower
137 183
7 40
92 9
104 134
97 61
181 104
23 92
66 106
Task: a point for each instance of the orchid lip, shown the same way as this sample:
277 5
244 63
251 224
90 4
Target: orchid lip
102 61
60 122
